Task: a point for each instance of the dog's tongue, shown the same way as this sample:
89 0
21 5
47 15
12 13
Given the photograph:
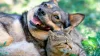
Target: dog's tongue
36 21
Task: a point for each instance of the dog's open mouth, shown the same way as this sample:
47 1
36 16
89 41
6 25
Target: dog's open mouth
39 24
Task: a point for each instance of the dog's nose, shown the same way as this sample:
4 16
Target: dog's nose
41 12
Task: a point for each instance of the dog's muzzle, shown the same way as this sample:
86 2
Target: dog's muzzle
38 20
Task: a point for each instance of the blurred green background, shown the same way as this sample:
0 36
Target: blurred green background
91 8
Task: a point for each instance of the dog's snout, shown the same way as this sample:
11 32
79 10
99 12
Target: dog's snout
41 12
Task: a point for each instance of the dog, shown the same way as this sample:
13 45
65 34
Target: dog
33 26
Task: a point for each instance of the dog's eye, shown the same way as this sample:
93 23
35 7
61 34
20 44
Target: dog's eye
44 4
56 16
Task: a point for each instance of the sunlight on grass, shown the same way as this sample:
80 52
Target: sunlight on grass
98 22
87 31
98 7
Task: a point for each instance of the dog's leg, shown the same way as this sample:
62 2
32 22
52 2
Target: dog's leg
5 38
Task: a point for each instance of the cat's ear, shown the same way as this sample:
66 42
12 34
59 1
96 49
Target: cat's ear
50 32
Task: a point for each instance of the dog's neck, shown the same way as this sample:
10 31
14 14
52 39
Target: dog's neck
28 34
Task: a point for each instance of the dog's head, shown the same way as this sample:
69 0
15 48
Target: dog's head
48 16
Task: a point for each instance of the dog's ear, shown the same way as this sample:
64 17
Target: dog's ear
76 19
24 18
55 1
